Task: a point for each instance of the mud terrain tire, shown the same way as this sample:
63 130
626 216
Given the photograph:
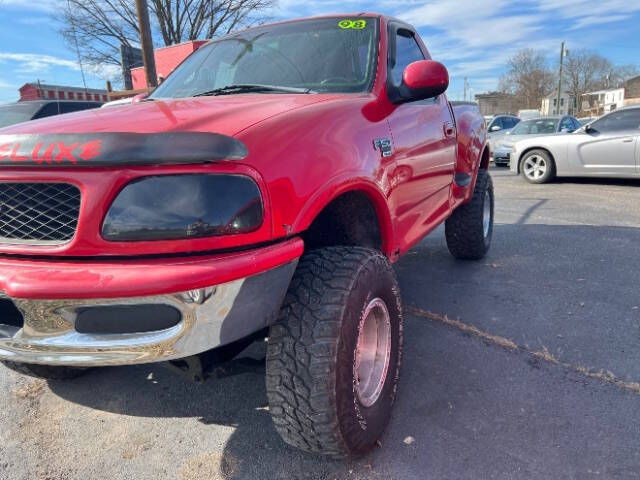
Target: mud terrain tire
321 393
467 232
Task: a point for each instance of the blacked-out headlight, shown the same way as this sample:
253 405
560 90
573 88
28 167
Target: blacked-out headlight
173 207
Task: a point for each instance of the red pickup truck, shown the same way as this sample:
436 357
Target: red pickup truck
269 182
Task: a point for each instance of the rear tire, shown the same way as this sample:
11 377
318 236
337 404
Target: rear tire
333 359
45 371
469 229
537 167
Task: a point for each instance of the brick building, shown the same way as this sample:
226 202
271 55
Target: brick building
42 91
167 58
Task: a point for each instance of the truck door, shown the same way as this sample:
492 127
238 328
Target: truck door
424 142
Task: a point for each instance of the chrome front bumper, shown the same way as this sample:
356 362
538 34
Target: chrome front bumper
208 318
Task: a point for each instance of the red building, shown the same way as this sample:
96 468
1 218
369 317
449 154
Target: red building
167 58
41 91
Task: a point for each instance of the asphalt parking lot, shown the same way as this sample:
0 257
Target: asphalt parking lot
524 365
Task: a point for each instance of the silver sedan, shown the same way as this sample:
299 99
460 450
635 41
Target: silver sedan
532 128
607 147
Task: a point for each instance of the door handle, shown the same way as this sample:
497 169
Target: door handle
449 131
627 140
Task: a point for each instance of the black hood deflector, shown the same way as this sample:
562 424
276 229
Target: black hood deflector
117 149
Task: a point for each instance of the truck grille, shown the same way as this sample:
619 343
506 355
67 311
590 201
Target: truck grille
38 212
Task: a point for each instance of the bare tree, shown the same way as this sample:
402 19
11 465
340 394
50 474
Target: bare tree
528 77
620 74
101 26
585 71
181 20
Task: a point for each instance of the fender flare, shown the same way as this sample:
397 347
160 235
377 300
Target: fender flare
345 184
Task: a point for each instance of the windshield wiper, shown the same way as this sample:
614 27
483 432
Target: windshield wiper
250 88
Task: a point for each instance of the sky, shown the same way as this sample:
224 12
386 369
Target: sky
473 38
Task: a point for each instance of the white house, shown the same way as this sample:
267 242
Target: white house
550 104
603 101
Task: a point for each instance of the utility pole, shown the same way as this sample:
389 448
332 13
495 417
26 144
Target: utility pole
466 86
147 43
560 79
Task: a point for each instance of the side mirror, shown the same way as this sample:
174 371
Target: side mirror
424 79
589 129
495 128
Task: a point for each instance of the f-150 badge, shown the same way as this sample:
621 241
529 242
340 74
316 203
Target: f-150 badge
384 145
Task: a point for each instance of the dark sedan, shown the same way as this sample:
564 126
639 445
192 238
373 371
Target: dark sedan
19 112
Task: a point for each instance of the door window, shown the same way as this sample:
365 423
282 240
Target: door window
48 110
566 125
510 122
69 107
497 122
407 52
620 121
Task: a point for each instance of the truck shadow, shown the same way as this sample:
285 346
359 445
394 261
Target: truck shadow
254 449
459 399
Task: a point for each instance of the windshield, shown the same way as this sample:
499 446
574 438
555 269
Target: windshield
536 127
17 113
325 55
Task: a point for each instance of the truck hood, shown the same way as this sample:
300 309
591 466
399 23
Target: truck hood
226 115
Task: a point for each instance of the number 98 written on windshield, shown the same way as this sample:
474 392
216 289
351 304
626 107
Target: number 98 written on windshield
354 24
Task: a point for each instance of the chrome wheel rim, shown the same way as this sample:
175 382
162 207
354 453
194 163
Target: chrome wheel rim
535 167
486 214
373 352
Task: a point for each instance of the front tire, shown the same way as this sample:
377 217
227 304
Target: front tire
537 166
333 360
469 229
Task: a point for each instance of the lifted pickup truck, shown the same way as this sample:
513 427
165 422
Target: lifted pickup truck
269 182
